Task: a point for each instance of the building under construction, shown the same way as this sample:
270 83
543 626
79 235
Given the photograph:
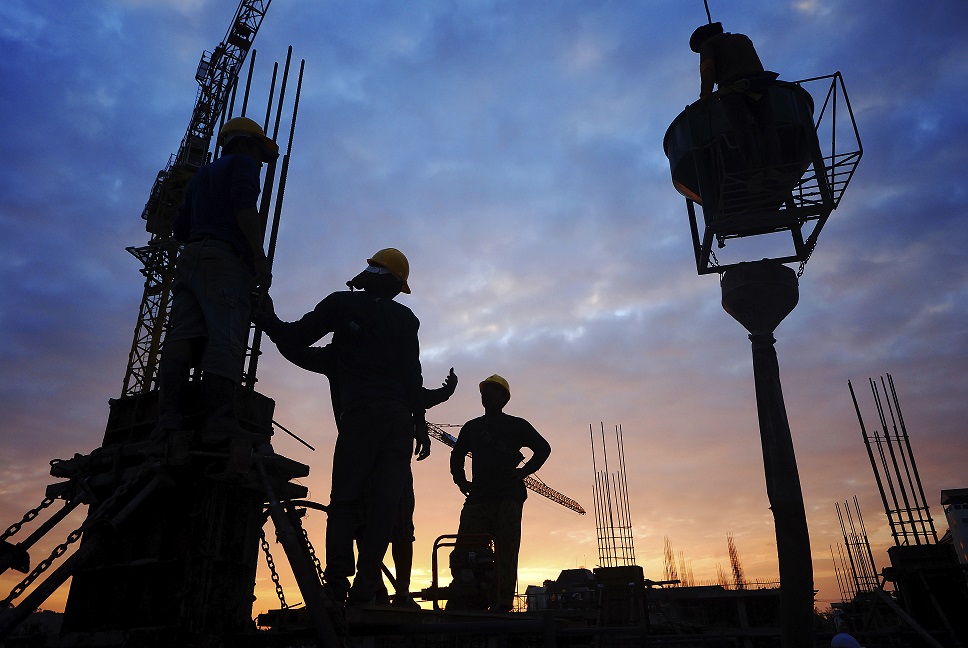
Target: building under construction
175 529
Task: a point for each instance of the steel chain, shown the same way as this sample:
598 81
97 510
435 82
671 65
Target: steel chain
29 516
272 570
803 264
75 535
712 255
312 552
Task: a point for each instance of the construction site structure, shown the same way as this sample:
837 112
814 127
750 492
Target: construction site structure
854 565
167 554
930 584
735 563
955 503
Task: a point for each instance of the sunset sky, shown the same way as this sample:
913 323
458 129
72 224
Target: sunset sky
513 150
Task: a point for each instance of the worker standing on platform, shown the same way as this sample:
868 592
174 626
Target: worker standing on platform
730 62
496 493
220 266
323 360
378 386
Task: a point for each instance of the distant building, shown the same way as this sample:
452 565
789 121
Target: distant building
955 503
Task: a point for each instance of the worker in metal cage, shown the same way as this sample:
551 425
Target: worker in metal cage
495 495
382 420
730 62
218 269
323 360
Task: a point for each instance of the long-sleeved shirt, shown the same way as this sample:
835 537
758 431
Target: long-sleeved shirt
495 443
322 360
377 354
215 195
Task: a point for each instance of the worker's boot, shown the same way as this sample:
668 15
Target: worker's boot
176 363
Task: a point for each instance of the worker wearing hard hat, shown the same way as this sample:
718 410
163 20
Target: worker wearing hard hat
221 263
730 62
496 494
323 360
378 388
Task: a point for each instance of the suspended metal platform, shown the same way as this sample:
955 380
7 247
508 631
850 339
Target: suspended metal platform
742 197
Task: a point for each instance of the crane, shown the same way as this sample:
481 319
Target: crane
531 482
217 73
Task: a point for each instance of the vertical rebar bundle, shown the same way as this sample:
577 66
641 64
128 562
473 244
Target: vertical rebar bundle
613 518
895 470
269 201
859 574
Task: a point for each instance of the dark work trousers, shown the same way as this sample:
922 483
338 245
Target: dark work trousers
502 519
372 458
211 300
752 121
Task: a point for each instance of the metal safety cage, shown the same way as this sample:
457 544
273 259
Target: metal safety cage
743 195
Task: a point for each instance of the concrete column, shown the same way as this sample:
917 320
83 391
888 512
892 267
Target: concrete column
759 295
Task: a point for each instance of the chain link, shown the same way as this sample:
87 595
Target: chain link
272 570
76 534
312 552
803 264
30 515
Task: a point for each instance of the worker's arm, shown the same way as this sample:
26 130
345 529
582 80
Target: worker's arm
457 457
244 192
316 359
434 397
250 224
540 449
308 329
707 77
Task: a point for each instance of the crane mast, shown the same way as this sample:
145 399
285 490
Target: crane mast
217 73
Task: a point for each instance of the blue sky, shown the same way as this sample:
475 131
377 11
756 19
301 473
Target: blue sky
513 150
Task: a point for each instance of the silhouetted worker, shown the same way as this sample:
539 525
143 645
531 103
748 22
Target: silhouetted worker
323 360
378 386
730 62
220 266
496 494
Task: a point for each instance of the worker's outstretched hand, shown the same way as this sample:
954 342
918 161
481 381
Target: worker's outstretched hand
263 274
422 446
450 382
261 282
263 307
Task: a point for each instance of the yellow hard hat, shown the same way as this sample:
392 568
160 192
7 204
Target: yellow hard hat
247 128
497 380
393 260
